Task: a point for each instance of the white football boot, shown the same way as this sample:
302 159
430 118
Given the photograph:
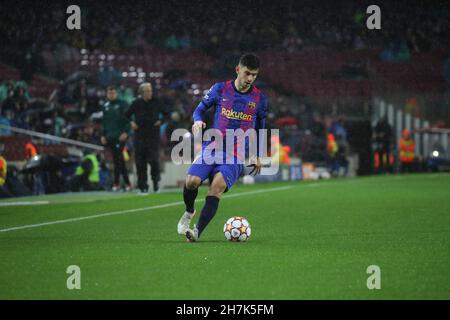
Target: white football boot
192 235
185 222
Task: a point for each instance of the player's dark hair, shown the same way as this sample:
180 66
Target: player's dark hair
250 61
111 87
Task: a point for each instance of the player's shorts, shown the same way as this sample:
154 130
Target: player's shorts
230 172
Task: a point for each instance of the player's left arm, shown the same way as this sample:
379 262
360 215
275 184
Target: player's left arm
261 115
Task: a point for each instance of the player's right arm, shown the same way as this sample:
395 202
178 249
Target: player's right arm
210 99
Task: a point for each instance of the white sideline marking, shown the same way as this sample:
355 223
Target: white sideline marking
29 226
23 203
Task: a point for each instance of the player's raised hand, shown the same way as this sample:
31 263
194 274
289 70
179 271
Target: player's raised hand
197 126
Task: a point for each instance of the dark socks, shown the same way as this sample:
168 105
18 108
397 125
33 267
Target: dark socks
208 212
189 198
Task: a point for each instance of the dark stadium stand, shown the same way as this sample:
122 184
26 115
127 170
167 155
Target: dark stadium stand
15 148
333 64
314 69
40 86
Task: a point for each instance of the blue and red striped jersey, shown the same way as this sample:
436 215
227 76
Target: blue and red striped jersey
234 109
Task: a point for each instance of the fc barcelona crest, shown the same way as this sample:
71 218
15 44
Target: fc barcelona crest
252 105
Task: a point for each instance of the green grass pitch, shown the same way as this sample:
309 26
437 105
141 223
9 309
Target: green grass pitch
310 240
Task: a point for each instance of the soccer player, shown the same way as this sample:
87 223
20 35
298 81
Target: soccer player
239 105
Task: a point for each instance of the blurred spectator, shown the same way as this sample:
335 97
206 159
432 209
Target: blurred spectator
332 149
185 41
109 75
340 134
87 174
382 137
10 184
6 131
31 149
126 94
172 42
115 134
407 148
6 90
4 190
59 124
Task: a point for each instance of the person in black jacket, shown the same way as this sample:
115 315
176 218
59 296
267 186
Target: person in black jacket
145 115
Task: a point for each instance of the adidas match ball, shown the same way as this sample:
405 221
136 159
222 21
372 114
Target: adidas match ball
237 229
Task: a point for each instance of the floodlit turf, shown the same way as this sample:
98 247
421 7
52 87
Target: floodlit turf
311 240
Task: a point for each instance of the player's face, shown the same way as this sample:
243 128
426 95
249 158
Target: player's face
111 94
246 77
147 92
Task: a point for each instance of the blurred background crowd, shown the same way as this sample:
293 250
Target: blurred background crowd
322 69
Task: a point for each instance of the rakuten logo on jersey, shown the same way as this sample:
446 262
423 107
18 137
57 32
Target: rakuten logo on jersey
234 115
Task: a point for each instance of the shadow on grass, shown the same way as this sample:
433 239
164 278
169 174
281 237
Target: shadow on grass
215 241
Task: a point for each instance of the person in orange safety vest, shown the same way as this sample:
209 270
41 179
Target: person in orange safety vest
30 150
407 147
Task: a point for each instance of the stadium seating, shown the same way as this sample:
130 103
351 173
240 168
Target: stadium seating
15 148
312 72
8 73
304 72
42 86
